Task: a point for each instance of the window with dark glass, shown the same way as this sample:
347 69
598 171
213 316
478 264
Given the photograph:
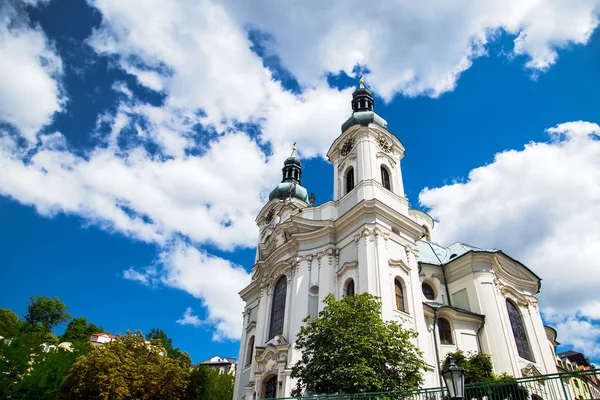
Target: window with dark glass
385 178
445 331
399 296
250 351
518 329
350 288
349 180
271 388
428 291
278 307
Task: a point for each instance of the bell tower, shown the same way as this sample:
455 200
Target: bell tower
366 158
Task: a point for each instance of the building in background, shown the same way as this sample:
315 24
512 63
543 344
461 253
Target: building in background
225 365
98 339
585 386
368 239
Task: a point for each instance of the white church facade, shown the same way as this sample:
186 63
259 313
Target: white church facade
368 239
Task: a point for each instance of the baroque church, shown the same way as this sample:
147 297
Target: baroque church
368 239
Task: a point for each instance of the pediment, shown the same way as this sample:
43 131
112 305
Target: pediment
399 264
348 266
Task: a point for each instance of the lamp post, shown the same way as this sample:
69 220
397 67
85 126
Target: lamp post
454 376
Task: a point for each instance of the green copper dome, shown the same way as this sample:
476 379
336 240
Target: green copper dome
364 118
290 184
287 190
362 109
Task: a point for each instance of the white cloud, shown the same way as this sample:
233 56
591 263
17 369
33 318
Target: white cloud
198 56
213 280
30 72
542 206
413 47
211 198
189 319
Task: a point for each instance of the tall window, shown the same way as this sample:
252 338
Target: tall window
445 331
250 351
349 179
518 331
428 291
350 288
271 388
278 307
385 178
399 295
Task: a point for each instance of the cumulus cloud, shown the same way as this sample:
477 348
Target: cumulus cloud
542 206
30 73
414 47
213 280
189 318
208 177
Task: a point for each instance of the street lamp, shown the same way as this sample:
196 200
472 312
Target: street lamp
454 376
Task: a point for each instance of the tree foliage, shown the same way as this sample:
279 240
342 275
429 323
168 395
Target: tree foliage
9 323
46 312
478 368
78 330
166 342
126 368
350 349
47 372
207 384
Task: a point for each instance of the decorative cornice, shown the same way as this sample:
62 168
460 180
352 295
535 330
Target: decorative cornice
399 264
349 265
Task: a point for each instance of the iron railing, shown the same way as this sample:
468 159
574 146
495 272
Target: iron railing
570 385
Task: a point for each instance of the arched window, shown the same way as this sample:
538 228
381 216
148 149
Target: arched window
385 178
278 307
426 233
399 295
444 331
349 179
313 302
518 331
271 388
250 351
428 291
349 291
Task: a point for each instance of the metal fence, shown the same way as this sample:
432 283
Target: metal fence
564 386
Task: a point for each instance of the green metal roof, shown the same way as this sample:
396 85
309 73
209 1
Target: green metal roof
287 190
364 118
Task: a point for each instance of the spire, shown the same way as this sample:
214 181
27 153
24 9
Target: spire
362 98
292 167
290 184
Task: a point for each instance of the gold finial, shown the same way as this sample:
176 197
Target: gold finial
361 81
294 148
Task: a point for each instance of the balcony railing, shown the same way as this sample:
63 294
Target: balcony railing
571 385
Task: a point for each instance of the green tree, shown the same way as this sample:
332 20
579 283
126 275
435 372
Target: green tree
207 384
78 330
126 368
9 323
46 312
350 349
478 368
166 342
46 373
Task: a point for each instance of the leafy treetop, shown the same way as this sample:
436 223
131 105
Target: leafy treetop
350 349
9 323
46 312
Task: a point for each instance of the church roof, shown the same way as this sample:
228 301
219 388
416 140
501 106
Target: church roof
364 118
433 253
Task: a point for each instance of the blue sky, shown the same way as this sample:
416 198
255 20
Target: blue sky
139 141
